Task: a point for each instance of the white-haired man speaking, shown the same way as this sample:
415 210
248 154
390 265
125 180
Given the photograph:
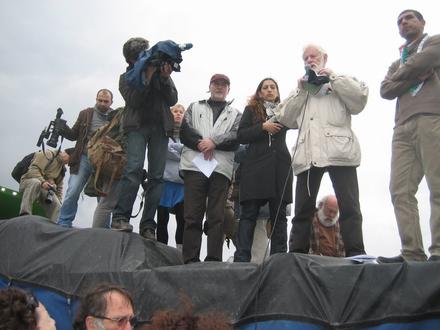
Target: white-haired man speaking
321 108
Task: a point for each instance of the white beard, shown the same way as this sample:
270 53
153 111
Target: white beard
326 222
318 66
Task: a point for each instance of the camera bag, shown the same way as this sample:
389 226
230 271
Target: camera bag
106 154
22 167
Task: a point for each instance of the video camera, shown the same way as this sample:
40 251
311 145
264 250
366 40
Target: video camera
166 51
53 131
50 195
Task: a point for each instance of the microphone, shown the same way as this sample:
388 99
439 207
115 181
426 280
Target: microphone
185 46
309 71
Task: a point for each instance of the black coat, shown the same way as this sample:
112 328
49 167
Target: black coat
264 168
151 105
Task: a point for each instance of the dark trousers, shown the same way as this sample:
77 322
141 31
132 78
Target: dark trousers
246 226
345 185
163 216
199 189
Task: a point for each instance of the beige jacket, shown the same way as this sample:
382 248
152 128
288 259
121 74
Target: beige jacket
324 123
401 77
39 169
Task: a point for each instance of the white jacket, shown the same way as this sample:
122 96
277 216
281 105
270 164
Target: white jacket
199 117
325 137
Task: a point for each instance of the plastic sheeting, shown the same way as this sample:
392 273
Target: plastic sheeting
10 204
319 291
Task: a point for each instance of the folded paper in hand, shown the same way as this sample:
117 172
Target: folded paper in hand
205 166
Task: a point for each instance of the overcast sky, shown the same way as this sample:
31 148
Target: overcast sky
59 53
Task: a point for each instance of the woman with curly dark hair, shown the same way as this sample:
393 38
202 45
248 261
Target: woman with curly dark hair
265 175
20 309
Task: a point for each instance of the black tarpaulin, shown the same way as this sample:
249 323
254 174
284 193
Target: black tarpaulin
332 292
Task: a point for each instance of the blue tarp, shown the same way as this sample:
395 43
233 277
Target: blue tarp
61 308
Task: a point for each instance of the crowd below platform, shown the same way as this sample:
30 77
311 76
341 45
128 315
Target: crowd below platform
104 307
222 172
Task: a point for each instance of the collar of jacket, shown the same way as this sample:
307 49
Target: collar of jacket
227 102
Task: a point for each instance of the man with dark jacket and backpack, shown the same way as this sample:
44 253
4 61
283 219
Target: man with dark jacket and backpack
44 182
88 122
147 123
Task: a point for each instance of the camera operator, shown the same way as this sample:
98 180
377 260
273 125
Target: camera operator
44 182
322 111
88 122
148 122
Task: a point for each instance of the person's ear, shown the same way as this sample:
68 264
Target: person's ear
90 325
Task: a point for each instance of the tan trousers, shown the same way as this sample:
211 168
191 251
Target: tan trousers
416 154
32 191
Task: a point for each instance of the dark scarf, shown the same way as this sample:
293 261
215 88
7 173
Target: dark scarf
217 108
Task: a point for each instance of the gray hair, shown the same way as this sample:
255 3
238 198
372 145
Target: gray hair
319 48
323 200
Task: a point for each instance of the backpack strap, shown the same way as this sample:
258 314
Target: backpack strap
50 160
100 133
95 183
97 173
108 127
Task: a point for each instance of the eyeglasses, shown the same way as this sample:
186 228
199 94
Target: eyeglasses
121 321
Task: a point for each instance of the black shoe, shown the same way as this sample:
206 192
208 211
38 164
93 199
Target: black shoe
149 233
434 258
212 259
391 260
121 224
192 261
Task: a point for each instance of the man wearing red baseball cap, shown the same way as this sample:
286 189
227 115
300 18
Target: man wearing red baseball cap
209 134
220 77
